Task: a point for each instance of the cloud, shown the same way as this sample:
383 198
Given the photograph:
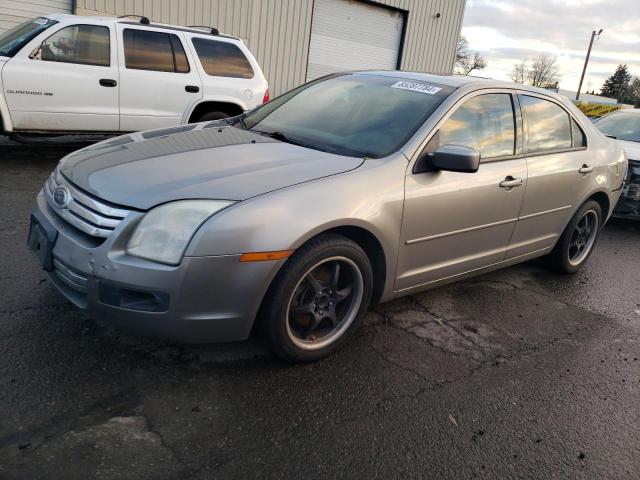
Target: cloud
506 32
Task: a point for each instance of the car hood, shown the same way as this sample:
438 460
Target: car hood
141 170
632 149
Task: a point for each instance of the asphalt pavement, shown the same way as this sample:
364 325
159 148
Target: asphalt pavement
517 374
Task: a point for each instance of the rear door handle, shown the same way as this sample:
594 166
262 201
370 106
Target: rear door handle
511 182
192 89
108 82
585 168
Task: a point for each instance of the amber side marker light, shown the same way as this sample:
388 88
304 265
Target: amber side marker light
264 256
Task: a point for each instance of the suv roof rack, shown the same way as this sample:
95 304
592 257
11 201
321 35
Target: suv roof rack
212 30
143 20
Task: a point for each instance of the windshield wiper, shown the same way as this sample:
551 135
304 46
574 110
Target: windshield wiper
283 137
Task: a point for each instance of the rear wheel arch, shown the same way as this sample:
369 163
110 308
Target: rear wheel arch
203 108
603 200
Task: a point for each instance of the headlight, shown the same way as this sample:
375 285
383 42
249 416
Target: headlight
164 232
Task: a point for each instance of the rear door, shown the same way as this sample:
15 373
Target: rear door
453 222
157 80
554 148
67 82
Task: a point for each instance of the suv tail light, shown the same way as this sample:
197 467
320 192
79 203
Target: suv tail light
265 99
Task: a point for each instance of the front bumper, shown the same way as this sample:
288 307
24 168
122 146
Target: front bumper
204 299
629 204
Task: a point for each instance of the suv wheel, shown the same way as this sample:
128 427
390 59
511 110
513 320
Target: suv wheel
217 115
318 299
578 239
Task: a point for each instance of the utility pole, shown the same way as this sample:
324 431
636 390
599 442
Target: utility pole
586 61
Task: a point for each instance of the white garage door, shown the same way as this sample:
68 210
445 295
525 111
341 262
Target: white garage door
13 12
353 35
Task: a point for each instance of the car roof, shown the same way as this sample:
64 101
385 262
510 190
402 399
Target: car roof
460 81
128 20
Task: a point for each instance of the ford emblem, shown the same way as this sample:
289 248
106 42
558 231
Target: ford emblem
60 197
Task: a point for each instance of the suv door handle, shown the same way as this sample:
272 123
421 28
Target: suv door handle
192 89
585 168
511 182
107 82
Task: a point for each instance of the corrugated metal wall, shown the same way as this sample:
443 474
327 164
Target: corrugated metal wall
13 12
278 31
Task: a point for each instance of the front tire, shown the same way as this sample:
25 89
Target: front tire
318 299
578 239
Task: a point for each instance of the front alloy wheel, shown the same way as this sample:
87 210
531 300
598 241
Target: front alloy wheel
317 299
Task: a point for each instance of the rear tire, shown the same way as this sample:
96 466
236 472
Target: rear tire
318 299
578 239
210 116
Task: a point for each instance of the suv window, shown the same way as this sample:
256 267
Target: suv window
485 123
83 44
547 124
222 59
156 51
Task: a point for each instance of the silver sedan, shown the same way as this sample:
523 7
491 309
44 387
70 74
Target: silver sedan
294 218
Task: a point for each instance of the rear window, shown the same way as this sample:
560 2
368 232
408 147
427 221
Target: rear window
547 125
222 59
156 51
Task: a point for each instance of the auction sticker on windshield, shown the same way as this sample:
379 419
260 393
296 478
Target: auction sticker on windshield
416 87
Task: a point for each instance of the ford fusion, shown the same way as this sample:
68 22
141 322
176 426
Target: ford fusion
350 190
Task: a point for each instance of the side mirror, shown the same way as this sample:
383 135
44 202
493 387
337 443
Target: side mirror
453 158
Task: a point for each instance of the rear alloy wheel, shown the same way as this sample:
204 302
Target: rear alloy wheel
318 299
578 239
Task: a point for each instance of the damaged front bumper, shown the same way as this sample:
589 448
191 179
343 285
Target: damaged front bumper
629 204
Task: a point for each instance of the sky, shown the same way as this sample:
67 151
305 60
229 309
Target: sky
507 31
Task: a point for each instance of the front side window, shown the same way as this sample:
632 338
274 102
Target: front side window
484 123
358 115
222 59
83 44
547 125
623 126
156 51
14 39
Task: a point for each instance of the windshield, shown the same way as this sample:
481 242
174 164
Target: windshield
13 40
358 115
623 126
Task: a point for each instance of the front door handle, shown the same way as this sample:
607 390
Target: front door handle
585 168
511 182
192 89
108 82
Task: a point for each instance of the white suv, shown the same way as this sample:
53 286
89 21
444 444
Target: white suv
72 74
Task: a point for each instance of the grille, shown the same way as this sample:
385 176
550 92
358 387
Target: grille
85 212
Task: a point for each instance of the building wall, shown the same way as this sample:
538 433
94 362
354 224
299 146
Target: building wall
278 31
14 12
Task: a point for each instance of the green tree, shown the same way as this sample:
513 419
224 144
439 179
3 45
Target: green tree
634 92
617 85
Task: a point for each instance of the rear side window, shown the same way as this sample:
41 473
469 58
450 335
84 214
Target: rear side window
548 125
83 44
485 123
579 138
156 51
222 59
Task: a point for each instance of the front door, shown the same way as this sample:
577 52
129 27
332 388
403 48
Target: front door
454 222
67 83
158 83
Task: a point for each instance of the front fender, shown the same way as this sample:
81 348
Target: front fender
370 197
